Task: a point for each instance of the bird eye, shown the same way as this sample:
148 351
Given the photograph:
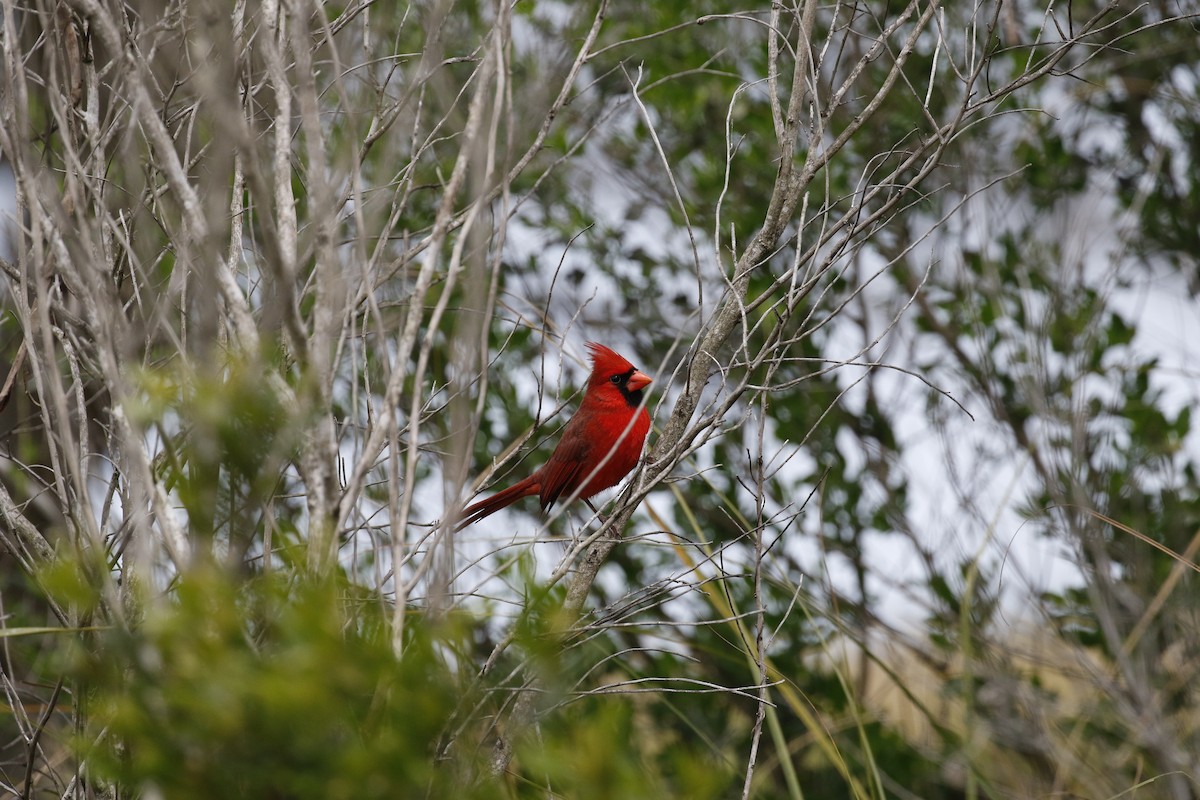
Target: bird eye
615 379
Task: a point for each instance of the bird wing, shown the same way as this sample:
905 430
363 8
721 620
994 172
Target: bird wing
565 471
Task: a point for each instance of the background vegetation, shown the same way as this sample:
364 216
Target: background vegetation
288 282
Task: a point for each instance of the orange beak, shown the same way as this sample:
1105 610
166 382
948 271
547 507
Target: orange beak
638 380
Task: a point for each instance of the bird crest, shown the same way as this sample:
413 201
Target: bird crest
606 362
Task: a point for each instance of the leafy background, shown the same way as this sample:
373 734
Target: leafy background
931 531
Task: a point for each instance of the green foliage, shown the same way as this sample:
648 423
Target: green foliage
604 747
1052 169
225 436
286 686
269 688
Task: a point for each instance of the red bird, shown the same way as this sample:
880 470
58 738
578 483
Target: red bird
599 446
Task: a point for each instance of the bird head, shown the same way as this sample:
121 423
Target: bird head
609 368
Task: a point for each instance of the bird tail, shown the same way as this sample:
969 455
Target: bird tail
505 497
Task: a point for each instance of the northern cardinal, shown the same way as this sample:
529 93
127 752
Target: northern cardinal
599 446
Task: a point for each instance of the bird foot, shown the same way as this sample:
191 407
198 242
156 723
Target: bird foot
603 519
